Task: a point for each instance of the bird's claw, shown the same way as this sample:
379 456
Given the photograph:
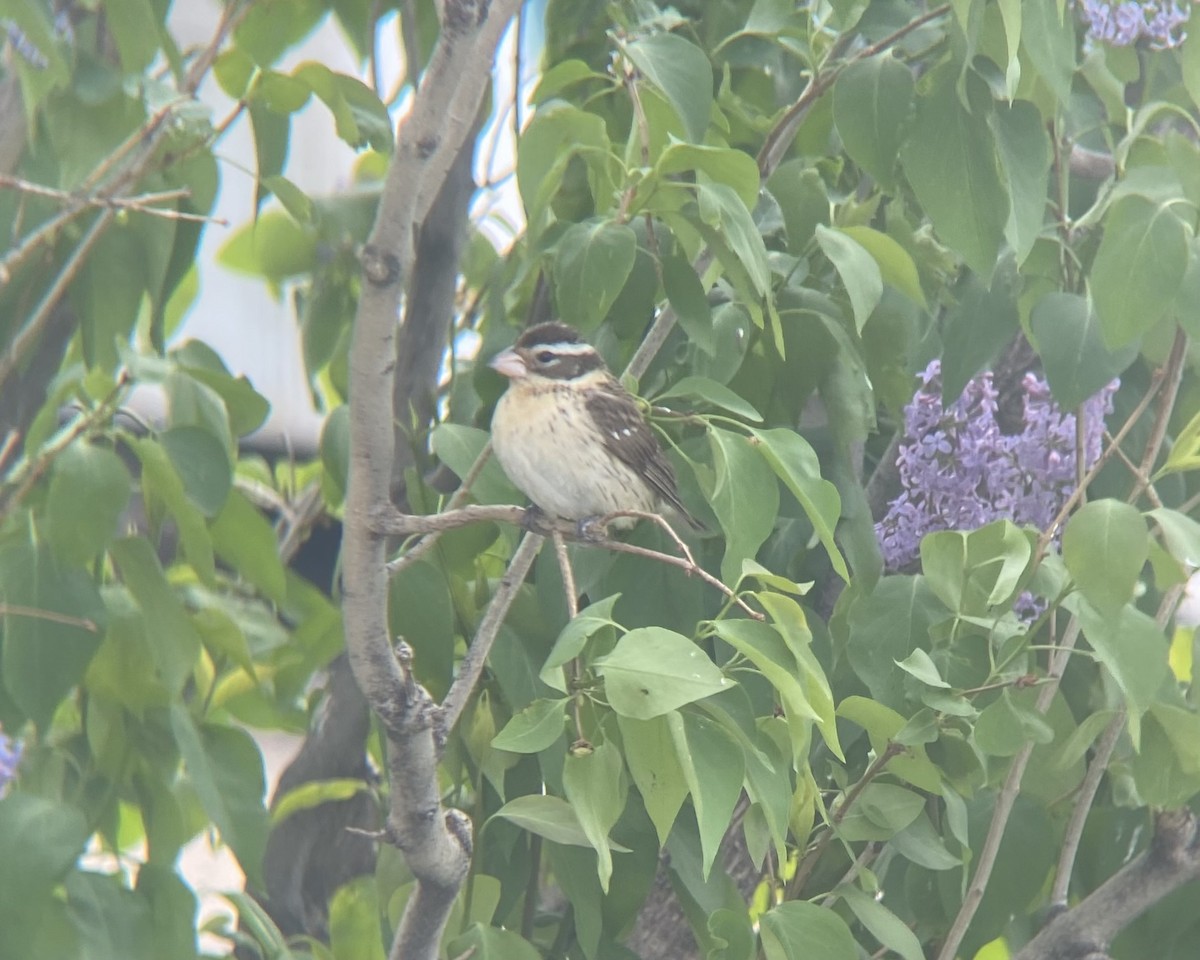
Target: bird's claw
591 529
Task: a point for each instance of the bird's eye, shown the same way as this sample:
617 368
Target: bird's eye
544 356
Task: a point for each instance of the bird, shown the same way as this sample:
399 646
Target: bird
571 438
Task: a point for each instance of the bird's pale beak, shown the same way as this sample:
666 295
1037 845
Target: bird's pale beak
509 364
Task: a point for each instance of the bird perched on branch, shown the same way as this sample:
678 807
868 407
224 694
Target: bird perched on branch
571 437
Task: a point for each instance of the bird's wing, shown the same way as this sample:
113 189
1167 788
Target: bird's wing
630 439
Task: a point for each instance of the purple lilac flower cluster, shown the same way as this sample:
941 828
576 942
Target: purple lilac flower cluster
960 471
10 756
1122 24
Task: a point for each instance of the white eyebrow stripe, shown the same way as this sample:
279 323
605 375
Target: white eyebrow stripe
567 349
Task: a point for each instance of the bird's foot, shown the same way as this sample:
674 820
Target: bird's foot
592 529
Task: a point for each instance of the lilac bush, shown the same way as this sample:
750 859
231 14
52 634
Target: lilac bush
10 756
1123 24
960 471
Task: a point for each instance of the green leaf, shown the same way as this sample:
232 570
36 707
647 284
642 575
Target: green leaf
108 295
89 491
162 487
652 671
359 117
745 498
797 930
312 794
764 646
534 728
134 27
920 665
950 155
801 195
681 72
591 266
1138 268
686 295
896 265
175 642
117 921
224 767
872 103
722 210
1132 648
173 910
1048 37
245 407
734 168
979 322
354 912
881 811
202 462
713 768
1181 534
884 925
458 447
886 626
245 540
295 201
1003 729
1068 337
40 840
558 134
484 942
273 246
421 610
51 624
549 817
858 270
335 452
655 768
795 463
1185 452
223 636
574 637
560 76
1105 546
714 394
1024 150
921 843
594 787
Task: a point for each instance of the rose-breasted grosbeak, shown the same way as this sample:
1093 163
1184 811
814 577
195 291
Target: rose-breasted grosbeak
571 437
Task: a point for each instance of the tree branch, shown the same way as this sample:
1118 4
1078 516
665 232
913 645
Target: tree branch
436 843
1172 860
472 665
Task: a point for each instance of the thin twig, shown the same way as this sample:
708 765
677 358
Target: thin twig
425 544
53 616
471 667
1151 491
618 546
1077 494
572 593
1158 430
142 203
780 138
27 337
864 858
28 472
805 868
6 448
1082 807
